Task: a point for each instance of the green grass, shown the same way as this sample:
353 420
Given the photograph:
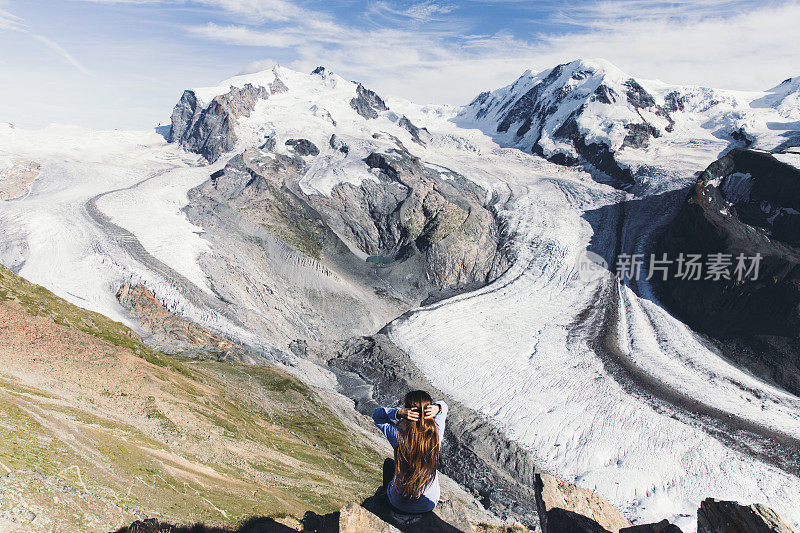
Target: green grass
278 438
152 411
283 216
39 301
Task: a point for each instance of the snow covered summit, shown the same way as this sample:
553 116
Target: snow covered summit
591 111
243 111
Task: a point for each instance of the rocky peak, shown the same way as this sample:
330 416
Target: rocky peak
563 506
565 114
592 112
209 131
213 120
367 103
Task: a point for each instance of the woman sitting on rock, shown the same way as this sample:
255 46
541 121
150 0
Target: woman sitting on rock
415 432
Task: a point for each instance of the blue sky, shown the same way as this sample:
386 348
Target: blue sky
124 63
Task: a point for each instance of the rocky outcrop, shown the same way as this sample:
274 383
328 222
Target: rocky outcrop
355 519
373 516
717 516
412 210
302 147
337 144
346 259
367 103
639 135
169 331
274 253
438 231
416 133
566 508
210 130
16 180
744 203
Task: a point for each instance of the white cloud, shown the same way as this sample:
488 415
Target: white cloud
420 12
745 49
258 66
243 35
750 49
9 21
255 11
607 14
260 10
400 52
427 10
135 2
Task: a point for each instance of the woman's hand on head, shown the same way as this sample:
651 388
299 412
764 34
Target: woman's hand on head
408 414
432 410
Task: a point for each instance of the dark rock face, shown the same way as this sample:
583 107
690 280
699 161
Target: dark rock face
715 516
741 136
674 101
639 135
605 94
637 96
367 103
531 104
373 371
597 154
338 144
659 527
412 211
425 234
303 147
210 131
744 203
415 132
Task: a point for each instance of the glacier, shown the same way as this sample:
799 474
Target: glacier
538 350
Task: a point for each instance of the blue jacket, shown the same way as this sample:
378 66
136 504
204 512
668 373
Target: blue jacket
386 420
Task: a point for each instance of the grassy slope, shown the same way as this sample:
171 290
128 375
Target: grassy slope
95 426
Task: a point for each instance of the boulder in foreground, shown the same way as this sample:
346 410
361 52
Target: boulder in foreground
564 507
718 516
355 519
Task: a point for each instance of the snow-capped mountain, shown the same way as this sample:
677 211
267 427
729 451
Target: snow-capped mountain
292 209
277 104
591 111
785 98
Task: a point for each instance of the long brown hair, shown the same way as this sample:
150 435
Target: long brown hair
417 454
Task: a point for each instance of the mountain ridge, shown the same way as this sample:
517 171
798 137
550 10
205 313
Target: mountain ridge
330 211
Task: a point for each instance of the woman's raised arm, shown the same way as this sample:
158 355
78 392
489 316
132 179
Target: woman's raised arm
386 419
